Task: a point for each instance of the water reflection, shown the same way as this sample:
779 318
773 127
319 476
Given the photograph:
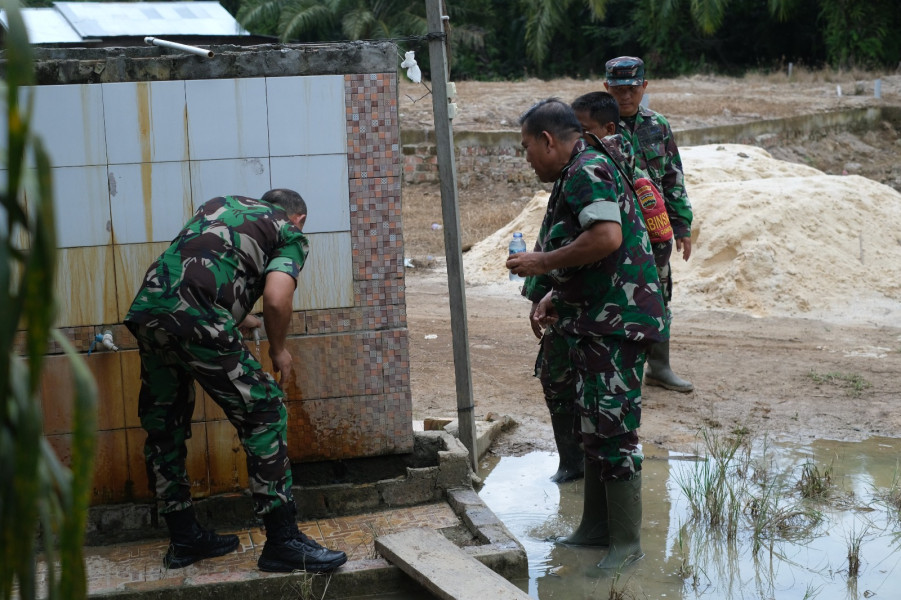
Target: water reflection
689 560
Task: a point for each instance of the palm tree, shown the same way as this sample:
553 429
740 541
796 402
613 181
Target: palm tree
544 18
321 20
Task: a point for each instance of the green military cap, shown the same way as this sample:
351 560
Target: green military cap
625 70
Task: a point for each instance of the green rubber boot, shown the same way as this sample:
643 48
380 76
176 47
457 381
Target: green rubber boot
593 529
624 514
658 372
568 448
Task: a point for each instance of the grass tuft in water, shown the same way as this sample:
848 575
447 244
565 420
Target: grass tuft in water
855 539
892 496
815 484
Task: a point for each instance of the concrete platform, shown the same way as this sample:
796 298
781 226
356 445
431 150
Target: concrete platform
342 516
442 568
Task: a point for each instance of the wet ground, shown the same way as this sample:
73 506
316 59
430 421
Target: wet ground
805 557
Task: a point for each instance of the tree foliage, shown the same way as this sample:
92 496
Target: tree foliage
515 38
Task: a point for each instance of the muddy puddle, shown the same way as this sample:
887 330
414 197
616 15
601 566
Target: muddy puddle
756 520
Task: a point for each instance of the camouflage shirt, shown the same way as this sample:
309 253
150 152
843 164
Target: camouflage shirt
655 148
619 295
214 271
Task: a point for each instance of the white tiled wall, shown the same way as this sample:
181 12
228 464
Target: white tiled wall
149 202
239 177
145 122
86 284
327 277
227 118
306 115
132 161
69 119
81 200
322 181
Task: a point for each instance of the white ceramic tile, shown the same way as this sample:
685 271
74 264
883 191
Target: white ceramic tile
306 115
145 121
81 200
69 120
326 280
149 202
322 181
86 286
132 261
245 177
227 118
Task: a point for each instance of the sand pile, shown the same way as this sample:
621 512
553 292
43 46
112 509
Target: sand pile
770 238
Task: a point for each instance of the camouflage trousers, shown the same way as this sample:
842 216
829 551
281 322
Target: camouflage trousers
600 378
235 380
662 253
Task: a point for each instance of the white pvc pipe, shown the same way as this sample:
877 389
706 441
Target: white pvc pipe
176 46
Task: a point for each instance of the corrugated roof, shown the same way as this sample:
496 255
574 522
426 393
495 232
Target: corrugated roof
77 21
45 26
114 19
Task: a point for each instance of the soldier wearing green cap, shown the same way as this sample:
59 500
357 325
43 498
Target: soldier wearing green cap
657 154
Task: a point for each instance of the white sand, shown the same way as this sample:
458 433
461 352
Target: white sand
770 238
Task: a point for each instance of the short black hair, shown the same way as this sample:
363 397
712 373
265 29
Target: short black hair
552 115
600 106
289 200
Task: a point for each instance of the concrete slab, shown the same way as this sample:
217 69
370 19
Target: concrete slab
443 568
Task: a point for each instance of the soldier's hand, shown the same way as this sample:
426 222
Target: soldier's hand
683 245
536 327
545 314
249 323
526 264
283 366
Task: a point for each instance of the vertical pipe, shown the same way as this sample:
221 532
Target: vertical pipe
447 175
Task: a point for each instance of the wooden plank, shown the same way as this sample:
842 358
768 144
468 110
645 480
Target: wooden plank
444 569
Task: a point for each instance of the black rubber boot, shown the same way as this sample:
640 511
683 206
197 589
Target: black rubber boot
658 372
287 549
572 457
593 530
189 542
624 514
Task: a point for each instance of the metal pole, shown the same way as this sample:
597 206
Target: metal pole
447 175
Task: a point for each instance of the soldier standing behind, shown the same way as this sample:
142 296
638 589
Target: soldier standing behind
657 155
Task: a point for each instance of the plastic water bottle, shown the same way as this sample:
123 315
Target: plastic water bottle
517 245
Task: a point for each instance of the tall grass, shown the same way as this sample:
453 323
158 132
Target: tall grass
733 494
37 493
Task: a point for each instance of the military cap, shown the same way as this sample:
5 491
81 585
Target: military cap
625 70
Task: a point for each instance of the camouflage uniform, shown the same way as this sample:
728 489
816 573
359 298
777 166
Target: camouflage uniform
609 311
657 154
186 317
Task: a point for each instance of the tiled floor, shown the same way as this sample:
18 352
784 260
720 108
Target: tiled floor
138 566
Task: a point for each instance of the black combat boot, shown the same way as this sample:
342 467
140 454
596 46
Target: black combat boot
287 549
568 448
189 542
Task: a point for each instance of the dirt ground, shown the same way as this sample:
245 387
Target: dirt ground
791 378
